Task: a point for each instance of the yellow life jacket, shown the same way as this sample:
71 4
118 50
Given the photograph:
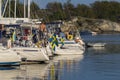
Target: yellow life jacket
70 37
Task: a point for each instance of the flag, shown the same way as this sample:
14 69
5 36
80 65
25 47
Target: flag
53 46
62 41
53 41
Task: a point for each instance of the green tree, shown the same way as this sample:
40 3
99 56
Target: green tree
106 9
84 11
69 10
55 11
34 10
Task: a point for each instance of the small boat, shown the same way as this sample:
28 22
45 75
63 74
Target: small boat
9 58
95 44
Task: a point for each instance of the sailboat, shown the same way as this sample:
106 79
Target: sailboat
9 57
32 52
70 48
67 46
27 53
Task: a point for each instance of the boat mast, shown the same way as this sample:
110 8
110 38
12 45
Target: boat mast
15 10
9 8
0 8
24 8
28 9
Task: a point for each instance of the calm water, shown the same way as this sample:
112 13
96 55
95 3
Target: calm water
97 63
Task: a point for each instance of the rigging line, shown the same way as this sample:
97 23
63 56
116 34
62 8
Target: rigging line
5 8
19 10
31 11
11 10
34 13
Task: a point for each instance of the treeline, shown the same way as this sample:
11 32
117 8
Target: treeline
109 10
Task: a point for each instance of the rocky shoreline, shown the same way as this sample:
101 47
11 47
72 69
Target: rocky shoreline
100 26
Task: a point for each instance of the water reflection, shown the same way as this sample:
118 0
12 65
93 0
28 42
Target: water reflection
51 71
64 63
24 72
8 73
108 49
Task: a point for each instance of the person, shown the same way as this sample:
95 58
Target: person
35 40
42 29
80 41
9 42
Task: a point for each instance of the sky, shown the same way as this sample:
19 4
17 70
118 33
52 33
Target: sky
42 3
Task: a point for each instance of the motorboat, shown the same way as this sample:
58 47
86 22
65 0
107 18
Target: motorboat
98 44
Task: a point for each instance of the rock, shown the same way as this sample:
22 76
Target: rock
95 25
98 25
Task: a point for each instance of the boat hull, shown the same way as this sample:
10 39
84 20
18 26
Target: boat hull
8 57
32 54
95 44
70 49
10 63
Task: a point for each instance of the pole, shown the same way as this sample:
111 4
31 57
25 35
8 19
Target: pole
9 8
29 9
0 8
15 10
24 8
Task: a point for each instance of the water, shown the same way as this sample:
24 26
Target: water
97 63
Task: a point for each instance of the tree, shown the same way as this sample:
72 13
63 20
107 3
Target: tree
84 11
69 10
106 10
55 11
34 10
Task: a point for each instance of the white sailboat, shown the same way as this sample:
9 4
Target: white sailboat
9 57
32 53
70 48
